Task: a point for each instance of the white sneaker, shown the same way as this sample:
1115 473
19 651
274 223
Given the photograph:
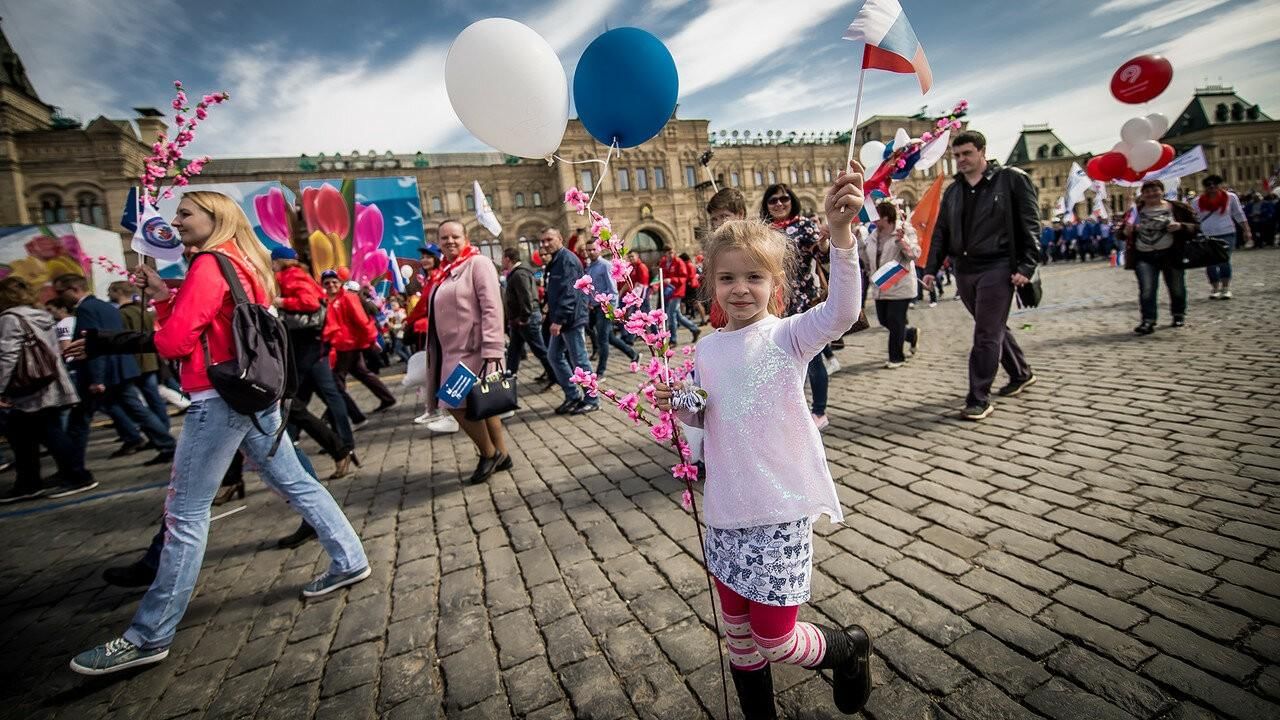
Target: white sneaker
1215 295
821 422
507 414
1225 295
831 364
891 365
443 425
933 304
424 418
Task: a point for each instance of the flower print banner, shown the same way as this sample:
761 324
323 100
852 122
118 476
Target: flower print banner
268 205
358 223
40 253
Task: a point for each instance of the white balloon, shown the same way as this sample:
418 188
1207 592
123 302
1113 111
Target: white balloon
871 155
406 272
1159 125
508 88
1143 155
1135 130
900 139
1121 147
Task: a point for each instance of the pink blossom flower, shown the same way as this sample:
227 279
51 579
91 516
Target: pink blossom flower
649 393
633 298
202 113
635 365
636 325
576 199
955 124
584 284
927 137
661 431
686 500
942 123
630 401
181 120
620 270
599 223
602 298
685 471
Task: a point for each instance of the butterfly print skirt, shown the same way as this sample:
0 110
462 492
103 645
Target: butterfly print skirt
768 564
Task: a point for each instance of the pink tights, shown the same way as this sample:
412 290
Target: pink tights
759 634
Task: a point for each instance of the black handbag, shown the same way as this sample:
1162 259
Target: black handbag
1203 251
490 397
36 366
297 321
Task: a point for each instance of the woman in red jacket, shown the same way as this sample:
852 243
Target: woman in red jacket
199 315
349 330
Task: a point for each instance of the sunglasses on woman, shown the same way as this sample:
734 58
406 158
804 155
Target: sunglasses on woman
780 200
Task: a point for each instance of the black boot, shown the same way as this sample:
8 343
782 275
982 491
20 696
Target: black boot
755 692
849 659
304 533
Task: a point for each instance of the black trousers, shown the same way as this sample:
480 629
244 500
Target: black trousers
351 362
27 431
988 296
892 315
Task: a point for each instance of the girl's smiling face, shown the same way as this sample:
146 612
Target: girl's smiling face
743 288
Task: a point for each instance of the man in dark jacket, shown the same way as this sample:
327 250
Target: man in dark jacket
520 301
106 379
989 225
567 313
139 318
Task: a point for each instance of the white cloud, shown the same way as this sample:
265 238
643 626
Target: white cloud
1237 31
1161 16
734 35
1126 5
284 105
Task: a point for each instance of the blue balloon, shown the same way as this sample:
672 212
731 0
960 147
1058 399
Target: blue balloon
625 87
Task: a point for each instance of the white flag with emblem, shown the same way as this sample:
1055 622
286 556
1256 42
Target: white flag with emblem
484 213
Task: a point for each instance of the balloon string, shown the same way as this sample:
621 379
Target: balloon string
604 172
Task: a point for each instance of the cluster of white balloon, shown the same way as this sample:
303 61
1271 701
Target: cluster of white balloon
1139 140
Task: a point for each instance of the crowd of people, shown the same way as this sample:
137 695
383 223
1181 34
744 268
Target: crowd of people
777 292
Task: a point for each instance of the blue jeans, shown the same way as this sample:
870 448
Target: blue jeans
675 319
317 377
1221 273
152 558
211 436
149 385
574 343
818 384
602 330
528 333
127 399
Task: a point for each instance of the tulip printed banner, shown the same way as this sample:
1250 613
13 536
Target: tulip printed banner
358 223
40 253
267 204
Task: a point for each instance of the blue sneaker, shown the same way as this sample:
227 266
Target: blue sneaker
117 655
329 582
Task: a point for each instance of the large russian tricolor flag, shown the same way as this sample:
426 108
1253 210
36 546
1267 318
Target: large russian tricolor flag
891 43
889 274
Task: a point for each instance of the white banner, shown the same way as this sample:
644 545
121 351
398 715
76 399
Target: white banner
1188 163
1077 183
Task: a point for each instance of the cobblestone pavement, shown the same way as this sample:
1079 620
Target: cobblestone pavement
1105 546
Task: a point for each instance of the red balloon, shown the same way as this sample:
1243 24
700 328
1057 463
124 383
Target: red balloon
1141 79
1166 157
536 258
1095 170
1132 175
1112 164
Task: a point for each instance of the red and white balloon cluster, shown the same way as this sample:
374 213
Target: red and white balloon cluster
1138 152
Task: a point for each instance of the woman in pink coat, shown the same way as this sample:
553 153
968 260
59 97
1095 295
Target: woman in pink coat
465 326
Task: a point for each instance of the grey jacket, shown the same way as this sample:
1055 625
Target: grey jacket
60 392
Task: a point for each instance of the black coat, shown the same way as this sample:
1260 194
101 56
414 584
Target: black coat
1014 206
97 315
566 304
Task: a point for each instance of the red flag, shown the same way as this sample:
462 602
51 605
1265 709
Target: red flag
925 217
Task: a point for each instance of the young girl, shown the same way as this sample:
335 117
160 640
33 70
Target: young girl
767 476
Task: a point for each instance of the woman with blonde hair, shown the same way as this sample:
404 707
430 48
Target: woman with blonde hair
194 328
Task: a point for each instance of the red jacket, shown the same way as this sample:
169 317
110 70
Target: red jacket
203 306
676 272
347 326
299 292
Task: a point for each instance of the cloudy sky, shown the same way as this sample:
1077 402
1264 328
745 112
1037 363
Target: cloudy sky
327 76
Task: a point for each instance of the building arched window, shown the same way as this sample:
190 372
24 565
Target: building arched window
519 199
773 176
758 177
808 177
792 173
90 210
537 199
437 206
1042 152
52 209
734 179
826 174
470 201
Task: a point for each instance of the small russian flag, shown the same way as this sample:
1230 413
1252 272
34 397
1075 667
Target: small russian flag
889 274
891 43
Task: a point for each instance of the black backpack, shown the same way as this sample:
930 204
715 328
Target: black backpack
262 372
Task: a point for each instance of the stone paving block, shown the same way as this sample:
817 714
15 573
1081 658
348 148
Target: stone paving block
1012 671
982 699
297 701
1126 690
935 585
350 667
567 641
1116 613
1265 643
470 675
1115 583
301 663
1227 698
899 699
863 547
659 609
918 613
1020 544
657 692
594 690
1172 576
517 637
937 557
239 699
1192 612
1015 628
1251 576
1216 543
190 691
1173 552
852 572
1062 700
1263 607
1180 642
920 662
1020 571
1019 598
531 686
952 542
1128 651
407 678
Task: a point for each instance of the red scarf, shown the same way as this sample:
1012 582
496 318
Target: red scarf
468 251
782 224
1213 202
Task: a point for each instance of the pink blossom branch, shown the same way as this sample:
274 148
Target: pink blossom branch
166 153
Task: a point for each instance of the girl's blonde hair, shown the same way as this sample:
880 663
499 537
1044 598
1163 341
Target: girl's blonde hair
231 224
767 247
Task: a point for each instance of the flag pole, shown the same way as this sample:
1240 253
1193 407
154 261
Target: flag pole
857 109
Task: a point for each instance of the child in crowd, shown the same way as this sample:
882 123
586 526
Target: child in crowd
762 498
727 204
